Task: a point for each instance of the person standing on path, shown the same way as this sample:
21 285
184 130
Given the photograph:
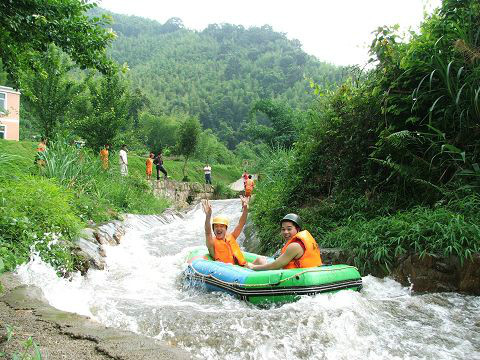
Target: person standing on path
149 164
245 178
208 174
104 156
123 160
159 163
249 185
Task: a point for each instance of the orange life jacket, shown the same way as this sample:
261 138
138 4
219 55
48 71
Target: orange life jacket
104 154
311 256
149 164
41 147
249 184
228 251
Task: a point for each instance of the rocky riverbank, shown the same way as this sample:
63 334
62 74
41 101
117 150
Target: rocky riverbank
62 335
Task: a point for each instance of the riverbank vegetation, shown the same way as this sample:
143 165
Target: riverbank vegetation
388 163
43 209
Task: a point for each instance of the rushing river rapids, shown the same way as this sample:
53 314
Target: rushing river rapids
141 290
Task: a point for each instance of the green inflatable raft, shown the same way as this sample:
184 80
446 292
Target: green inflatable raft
271 286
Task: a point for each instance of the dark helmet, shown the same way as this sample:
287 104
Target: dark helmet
293 218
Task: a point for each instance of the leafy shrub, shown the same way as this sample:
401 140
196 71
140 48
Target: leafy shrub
37 214
439 231
271 198
222 191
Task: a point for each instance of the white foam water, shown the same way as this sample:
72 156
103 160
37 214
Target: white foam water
141 290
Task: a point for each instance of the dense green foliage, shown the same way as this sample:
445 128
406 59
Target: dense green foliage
188 136
386 159
216 74
103 112
28 27
48 95
37 214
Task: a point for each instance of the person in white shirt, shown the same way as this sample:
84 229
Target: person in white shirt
208 174
123 160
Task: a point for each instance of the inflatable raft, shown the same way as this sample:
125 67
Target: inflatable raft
271 286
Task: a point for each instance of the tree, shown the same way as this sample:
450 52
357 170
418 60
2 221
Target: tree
187 140
28 27
157 132
104 112
138 101
48 95
282 126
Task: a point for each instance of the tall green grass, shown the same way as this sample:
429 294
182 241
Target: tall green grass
441 231
37 213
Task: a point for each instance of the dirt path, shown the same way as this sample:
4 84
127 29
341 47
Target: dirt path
238 185
62 335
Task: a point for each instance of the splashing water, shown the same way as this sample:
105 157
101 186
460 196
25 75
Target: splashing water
141 290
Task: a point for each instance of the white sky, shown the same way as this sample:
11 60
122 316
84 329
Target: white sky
336 31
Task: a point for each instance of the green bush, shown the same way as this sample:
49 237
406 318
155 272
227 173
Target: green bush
271 198
442 231
37 214
222 191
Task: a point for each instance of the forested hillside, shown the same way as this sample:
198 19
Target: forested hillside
218 73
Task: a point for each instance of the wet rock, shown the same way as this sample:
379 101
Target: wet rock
68 329
101 252
182 193
439 274
332 256
90 244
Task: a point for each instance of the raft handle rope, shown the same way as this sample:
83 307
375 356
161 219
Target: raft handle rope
268 284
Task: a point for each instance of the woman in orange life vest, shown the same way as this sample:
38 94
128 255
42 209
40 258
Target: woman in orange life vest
104 156
221 245
249 185
149 165
300 250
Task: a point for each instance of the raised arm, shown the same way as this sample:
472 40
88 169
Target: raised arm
207 208
293 251
243 218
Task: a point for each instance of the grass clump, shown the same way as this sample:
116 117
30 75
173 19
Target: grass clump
37 214
442 231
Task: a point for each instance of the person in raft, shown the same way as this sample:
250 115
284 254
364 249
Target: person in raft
222 245
300 250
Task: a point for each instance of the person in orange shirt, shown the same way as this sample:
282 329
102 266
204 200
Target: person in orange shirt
300 249
41 147
221 245
244 177
149 164
104 156
249 185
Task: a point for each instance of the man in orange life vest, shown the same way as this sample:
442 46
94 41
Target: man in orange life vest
221 245
300 250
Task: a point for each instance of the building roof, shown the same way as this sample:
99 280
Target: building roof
9 90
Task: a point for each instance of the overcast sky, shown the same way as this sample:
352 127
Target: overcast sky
336 31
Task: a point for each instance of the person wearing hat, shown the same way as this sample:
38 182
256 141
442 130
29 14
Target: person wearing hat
223 245
300 249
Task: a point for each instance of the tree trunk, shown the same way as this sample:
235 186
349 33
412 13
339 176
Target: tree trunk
185 166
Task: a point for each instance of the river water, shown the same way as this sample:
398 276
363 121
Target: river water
141 290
